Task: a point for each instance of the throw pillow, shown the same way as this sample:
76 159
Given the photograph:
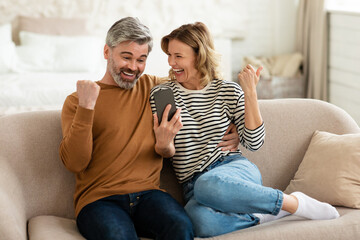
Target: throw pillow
286 65
330 170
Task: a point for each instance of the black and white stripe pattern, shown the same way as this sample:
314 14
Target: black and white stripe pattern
206 115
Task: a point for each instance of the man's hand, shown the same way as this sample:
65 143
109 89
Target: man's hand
166 132
88 92
230 141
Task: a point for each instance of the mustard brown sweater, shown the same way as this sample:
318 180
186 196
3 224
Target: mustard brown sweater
111 148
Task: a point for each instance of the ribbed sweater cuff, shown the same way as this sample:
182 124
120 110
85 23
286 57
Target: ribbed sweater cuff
84 116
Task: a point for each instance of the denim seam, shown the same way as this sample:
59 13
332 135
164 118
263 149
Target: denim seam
278 204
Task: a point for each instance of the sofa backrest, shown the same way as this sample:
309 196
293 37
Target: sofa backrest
290 124
29 144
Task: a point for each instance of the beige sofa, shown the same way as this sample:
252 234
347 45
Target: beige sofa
36 190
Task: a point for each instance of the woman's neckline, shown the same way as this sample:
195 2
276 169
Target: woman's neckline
191 90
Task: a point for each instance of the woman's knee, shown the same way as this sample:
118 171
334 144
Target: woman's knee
205 185
203 221
209 189
220 190
209 222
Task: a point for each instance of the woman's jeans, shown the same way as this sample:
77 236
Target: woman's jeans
222 198
152 214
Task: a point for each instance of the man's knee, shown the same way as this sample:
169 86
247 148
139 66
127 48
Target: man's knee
105 222
108 232
182 225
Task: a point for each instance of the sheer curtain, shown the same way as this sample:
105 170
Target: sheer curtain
311 41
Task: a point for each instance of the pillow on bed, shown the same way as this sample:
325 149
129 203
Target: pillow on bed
5 33
30 38
41 52
35 58
79 56
7 49
7 57
51 26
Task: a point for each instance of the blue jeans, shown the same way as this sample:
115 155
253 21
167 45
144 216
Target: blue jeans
222 198
152 214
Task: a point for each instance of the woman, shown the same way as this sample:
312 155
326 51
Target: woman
223 190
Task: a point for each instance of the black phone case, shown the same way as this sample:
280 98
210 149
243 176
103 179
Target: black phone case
162 98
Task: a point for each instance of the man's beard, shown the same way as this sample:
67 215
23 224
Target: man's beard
117 77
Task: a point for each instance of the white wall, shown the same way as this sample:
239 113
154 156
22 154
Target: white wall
253 27
270 31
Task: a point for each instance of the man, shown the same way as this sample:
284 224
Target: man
108 142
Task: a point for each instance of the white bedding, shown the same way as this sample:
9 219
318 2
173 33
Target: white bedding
40 72
20 92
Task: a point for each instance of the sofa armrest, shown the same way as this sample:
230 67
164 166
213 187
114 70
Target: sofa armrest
13 223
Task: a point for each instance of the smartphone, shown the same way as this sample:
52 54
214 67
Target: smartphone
162 98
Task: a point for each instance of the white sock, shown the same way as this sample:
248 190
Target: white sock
269 217
313 209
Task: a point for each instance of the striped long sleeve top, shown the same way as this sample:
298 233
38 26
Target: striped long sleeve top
206 115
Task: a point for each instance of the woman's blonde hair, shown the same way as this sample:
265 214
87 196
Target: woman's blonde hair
198 37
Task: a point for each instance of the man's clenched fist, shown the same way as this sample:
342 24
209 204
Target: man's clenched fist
88 92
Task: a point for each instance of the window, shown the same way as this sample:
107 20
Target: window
343 5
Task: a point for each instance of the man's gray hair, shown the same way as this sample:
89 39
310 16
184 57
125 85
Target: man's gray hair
129 29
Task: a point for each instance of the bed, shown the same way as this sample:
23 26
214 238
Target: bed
35 91
42 58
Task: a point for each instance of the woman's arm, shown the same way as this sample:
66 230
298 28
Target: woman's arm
248 119
248 79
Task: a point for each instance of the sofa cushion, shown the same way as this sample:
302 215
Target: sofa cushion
330 170
291 227
54 228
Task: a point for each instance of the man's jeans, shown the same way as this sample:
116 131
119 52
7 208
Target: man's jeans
222 198
151 214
